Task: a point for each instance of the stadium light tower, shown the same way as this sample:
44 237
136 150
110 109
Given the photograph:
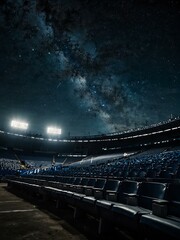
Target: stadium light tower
16 124
53 131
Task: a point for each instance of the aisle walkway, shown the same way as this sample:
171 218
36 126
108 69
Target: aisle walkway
21 220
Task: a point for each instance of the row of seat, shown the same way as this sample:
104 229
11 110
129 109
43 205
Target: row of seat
139 207
157 165
8 167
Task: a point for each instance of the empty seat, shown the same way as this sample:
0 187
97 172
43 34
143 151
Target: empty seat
129 216
80 188
97 191
76 182
110 195
88 189
68 183
166 174
126 189
166 226
86 202
111 190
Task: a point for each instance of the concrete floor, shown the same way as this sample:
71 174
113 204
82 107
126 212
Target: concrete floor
22 220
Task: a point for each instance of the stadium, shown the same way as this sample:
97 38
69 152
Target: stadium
89 123
128 180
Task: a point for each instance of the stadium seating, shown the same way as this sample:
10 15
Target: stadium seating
9 167
128 204
165 165
139 193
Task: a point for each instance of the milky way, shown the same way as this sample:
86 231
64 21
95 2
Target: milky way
89 66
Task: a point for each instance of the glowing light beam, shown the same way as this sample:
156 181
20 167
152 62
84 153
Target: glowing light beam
53 131
19 124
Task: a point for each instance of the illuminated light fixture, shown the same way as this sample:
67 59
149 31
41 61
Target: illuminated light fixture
53 131
19 125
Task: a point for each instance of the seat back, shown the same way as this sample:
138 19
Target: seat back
68 183
71 180
77 181
66 180
166 174
59 179
126 188
112 185
84 181
149 191
173 197
100 183
111 189
151 173
62 180
99 188
88 189
91 182
82 184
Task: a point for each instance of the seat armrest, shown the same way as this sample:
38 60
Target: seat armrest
132 199
159 208
79 189
111 196
88 191
160 201
131 195
98 194
109 191
98 189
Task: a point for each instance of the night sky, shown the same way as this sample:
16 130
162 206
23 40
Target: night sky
89 66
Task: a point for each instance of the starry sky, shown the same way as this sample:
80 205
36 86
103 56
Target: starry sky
89 66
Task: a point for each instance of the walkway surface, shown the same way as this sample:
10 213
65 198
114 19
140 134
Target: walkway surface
22 220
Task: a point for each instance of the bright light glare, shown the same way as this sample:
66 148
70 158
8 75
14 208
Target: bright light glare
53 131
19 124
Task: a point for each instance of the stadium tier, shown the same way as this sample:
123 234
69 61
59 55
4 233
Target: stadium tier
123 181
153 136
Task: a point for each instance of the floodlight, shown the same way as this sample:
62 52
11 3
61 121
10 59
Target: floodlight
53 131
19 125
